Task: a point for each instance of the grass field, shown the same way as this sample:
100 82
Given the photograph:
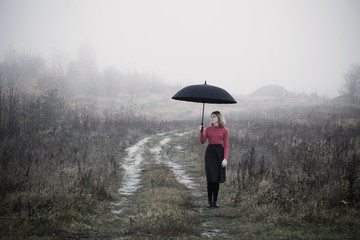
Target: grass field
292 174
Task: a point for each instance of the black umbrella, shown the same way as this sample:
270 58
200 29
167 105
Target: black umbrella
204 93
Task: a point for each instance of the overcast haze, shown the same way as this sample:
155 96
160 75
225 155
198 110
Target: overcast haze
304 46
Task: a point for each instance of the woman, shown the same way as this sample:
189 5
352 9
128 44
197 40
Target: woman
216 155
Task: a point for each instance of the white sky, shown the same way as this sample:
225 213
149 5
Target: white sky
302 45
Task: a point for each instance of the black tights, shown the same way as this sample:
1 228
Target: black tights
213 189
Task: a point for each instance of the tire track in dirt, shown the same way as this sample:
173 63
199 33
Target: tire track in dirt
131 180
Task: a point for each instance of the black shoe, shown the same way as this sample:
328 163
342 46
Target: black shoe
209 204
215 204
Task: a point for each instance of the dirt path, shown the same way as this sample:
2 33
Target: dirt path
167 151
163 196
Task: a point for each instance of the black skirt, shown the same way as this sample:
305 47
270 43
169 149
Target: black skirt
214 155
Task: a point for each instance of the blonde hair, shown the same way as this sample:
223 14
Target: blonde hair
222 122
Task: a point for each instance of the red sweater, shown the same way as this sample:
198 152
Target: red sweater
216 135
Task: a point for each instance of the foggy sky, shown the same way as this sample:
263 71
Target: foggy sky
302 45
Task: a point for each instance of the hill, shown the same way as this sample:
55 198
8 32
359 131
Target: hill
271 91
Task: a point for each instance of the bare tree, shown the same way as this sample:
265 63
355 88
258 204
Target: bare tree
1 103
83 71
352 83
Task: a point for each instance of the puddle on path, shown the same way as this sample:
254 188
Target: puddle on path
180 148
165 141
157 149
177 169
181 176
132 166
182 134
132 176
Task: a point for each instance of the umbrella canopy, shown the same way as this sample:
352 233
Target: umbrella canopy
204 93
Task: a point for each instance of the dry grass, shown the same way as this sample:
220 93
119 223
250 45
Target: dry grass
164 207
288 178
60 167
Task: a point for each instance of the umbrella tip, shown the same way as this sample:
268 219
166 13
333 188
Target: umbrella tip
205 82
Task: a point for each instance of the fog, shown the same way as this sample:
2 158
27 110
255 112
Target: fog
304 46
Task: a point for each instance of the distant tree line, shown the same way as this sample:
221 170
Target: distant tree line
76 77
352 83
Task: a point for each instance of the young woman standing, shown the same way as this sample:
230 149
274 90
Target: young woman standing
216 155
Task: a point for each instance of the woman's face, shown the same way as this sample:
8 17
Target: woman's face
214 119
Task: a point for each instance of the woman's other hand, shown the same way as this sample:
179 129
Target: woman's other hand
201 127
224 163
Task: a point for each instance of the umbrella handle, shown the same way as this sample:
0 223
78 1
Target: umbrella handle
202 118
